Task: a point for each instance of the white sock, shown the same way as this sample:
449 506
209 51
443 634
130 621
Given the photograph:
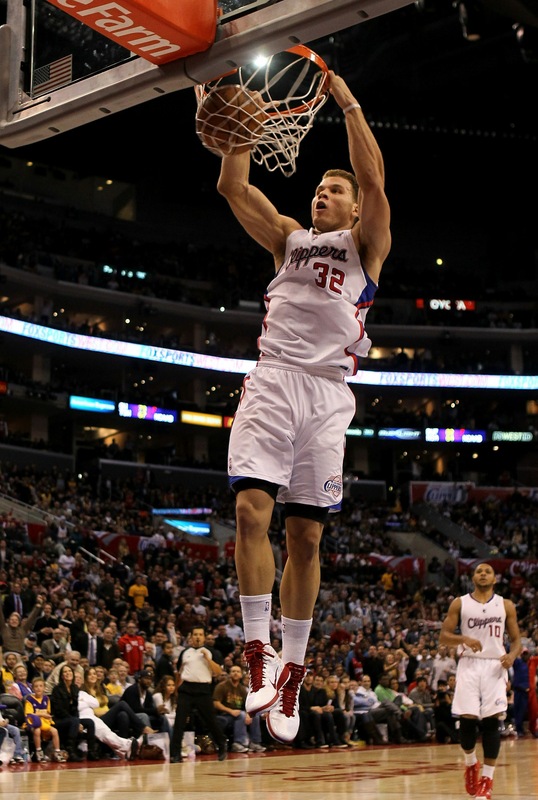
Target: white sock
295 636
487 771
470 759
256 612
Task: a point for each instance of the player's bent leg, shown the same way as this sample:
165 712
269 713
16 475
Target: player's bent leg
254 557
298 593
301 577
255 566
491 739
468 737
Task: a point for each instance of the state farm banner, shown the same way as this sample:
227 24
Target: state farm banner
454 492
159 31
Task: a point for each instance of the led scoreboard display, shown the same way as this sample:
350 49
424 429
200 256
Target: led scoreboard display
454 435
139 411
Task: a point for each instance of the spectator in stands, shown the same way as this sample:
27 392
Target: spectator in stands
118 606
422 696
107 648
36 664
138 591
443 664
14 601
15 630
318 718
79 631
7 729
123 678
340 704
93 704
21 686
390 665
413 719
368 711
166 664
445 723
229 697
111 683
72 659
234 630
132 647
55 648
46 624
521 688
93 637
165 698
413 661
66 562
64 708
373 663
40 723
224 643
140 698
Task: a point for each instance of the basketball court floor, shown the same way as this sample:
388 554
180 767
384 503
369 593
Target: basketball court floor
405 772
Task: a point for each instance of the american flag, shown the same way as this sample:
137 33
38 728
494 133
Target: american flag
53 75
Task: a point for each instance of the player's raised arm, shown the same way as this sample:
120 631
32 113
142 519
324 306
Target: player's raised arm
253 209
373 230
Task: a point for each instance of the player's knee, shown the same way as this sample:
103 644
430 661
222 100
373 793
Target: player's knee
253 509
468 732
491 737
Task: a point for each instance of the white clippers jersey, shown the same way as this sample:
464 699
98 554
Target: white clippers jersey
485 622
317 304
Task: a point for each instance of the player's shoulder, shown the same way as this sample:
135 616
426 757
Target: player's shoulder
508 604
455 606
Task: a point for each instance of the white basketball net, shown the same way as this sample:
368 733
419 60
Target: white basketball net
293 88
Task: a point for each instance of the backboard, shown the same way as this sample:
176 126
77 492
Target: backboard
57 73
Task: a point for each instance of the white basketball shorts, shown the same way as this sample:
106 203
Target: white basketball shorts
289 429
480 687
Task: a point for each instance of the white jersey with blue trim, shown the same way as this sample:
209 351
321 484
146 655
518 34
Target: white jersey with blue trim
485 622
317 304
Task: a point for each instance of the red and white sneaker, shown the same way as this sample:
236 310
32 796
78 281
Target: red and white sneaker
283 719
484 788
472 778
267 676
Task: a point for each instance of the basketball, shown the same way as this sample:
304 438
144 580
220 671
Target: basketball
228 120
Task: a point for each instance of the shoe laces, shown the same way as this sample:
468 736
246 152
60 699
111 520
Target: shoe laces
290 690
255 656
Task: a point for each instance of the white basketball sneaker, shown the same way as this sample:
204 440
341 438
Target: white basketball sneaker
283 719
267 675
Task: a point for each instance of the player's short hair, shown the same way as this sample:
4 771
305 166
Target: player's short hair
482 563
348 176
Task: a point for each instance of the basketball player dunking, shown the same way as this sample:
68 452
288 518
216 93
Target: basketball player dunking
287 439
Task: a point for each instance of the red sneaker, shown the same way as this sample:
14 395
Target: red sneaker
483 791
472 777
